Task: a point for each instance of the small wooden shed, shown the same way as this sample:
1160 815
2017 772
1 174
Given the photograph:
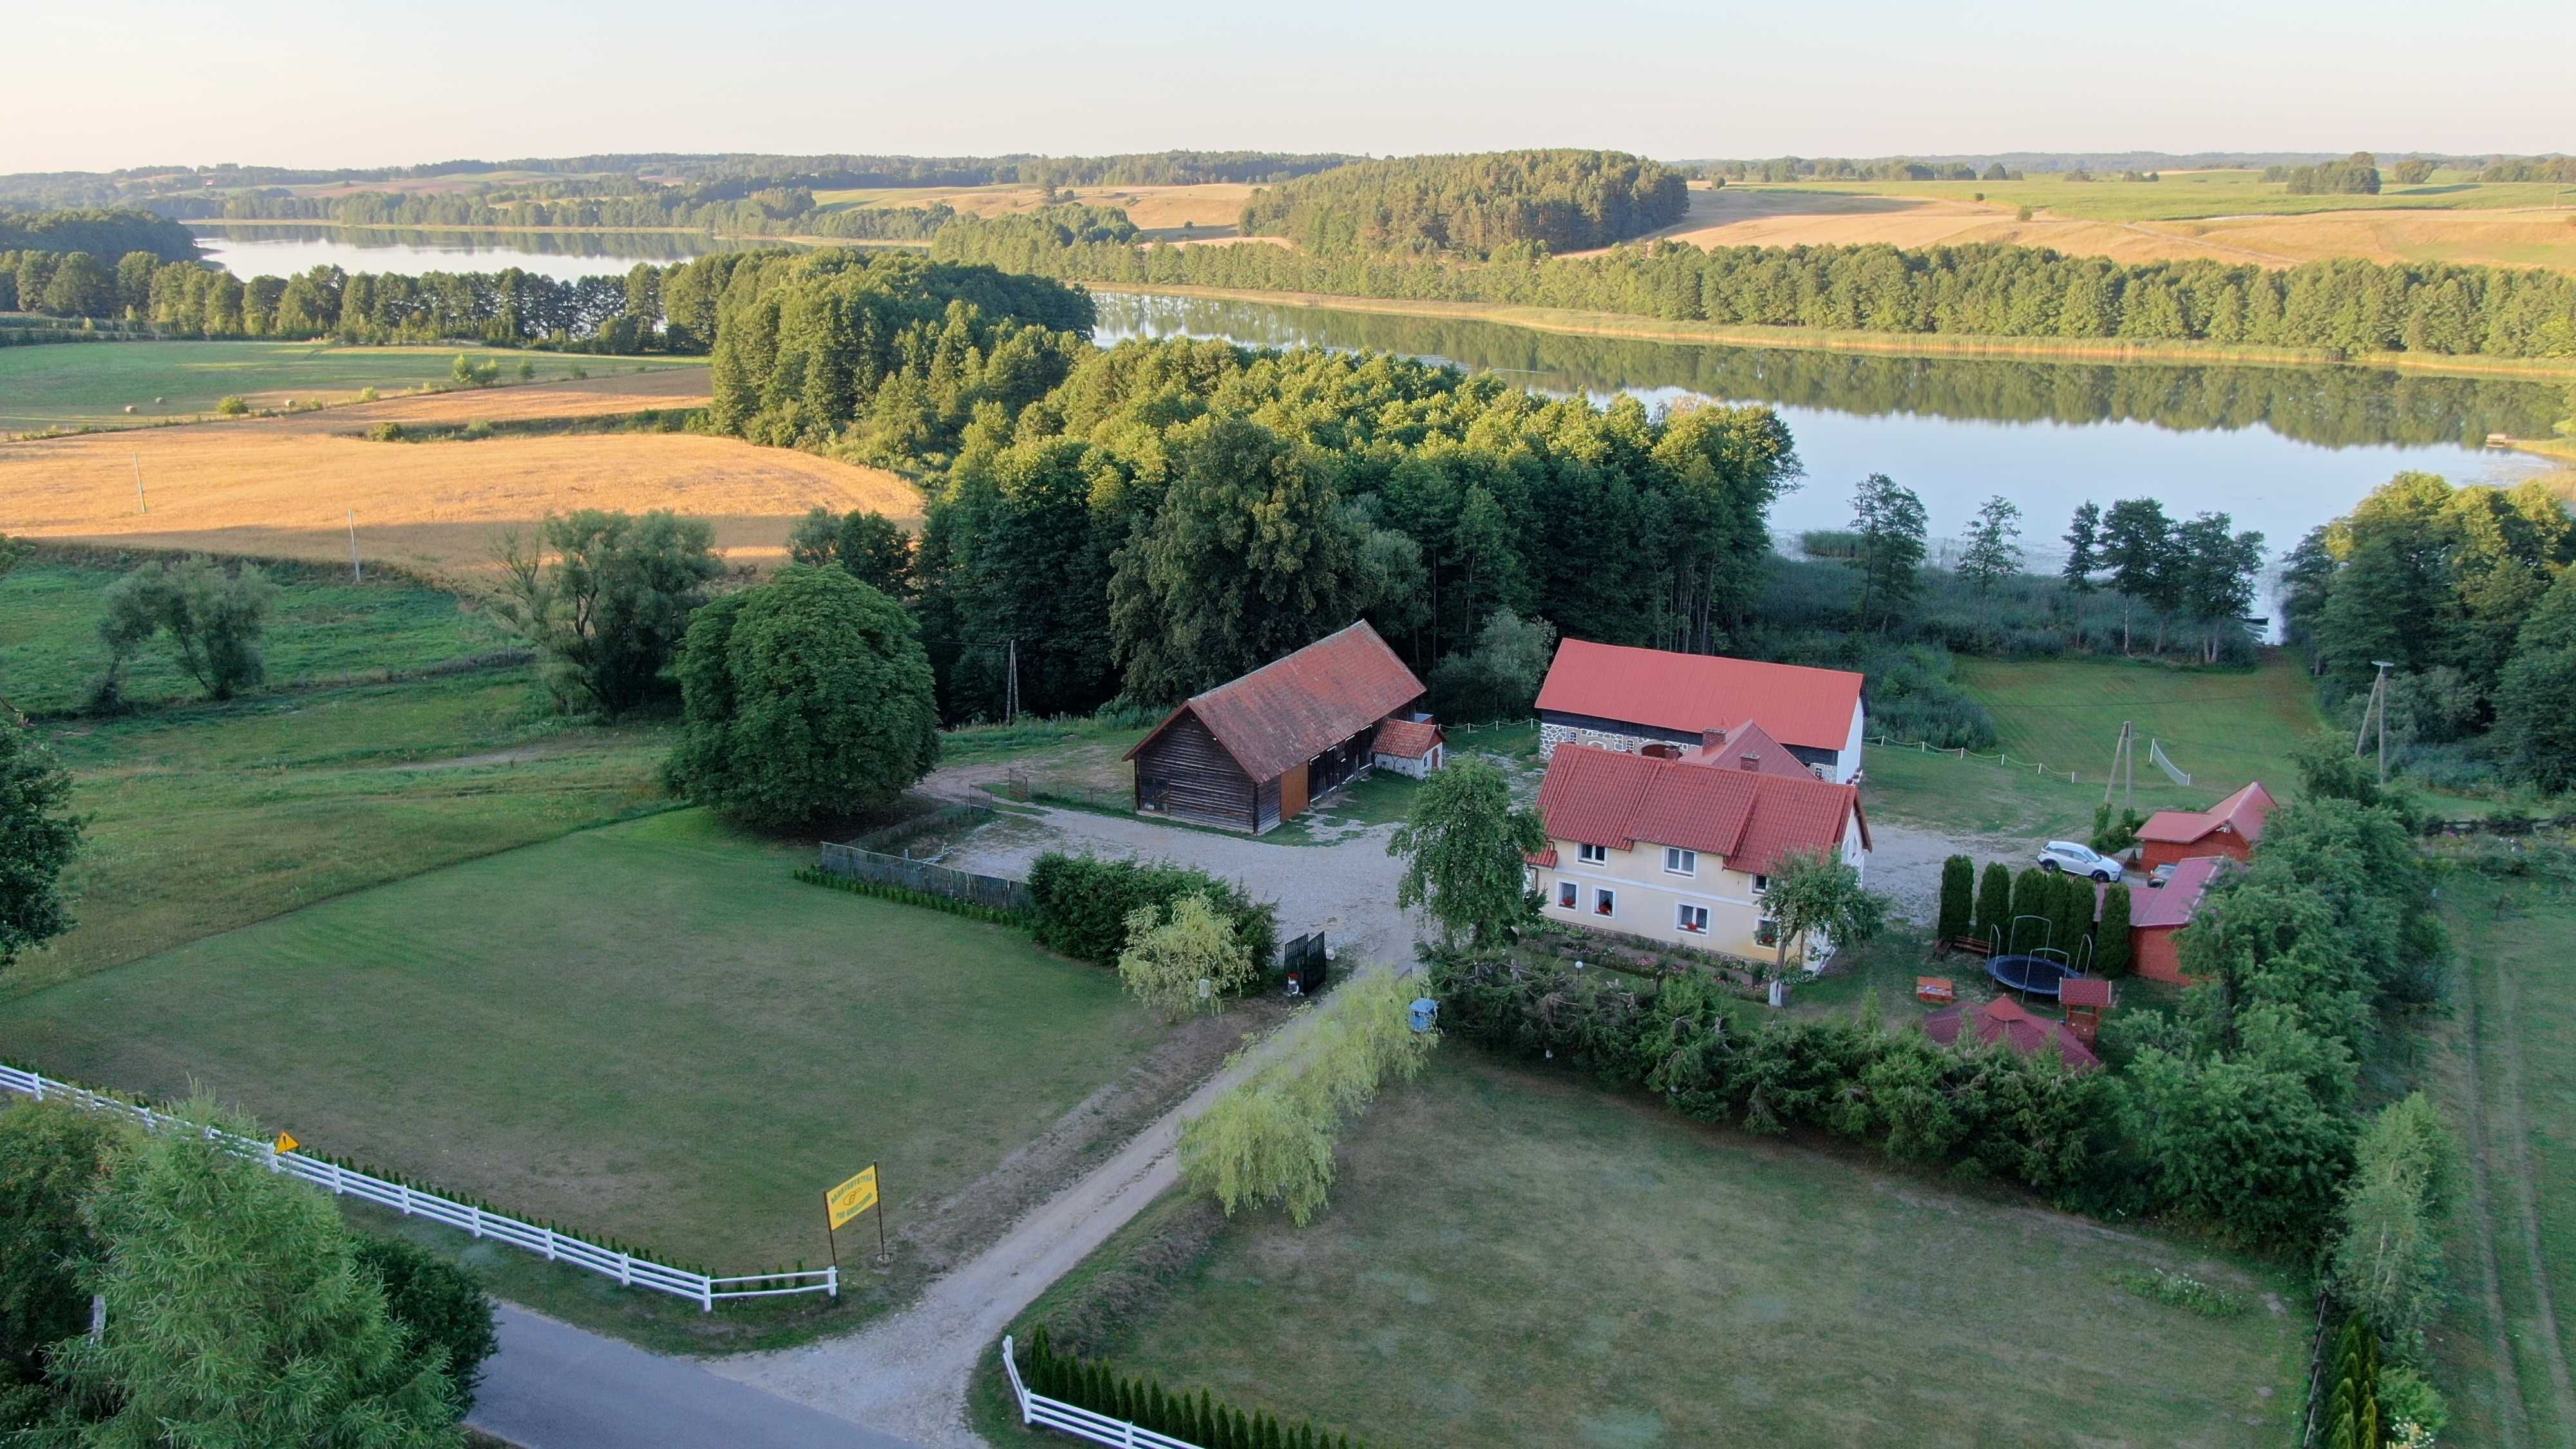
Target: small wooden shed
1258 750
2160 914
2229 828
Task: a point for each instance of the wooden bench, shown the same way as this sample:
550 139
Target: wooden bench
1938 990
1969 945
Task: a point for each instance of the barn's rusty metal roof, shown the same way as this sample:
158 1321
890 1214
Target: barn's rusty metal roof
1294 708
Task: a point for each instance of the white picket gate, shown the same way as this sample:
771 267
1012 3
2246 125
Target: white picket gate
555 1247
1082 1423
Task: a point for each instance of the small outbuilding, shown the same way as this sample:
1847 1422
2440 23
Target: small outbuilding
2227 828
1258 750
1411 746
2159 915
2004 1020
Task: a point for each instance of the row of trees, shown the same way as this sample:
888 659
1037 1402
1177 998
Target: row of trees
2039 908
1554 201
2355 175
2344 305
2202 571
106 232
2469 594
783 210
238 1307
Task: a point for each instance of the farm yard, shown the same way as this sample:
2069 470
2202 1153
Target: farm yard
649 1030
90 385
1516 1256
284 487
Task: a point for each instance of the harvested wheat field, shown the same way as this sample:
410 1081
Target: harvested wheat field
1805 216
1211 206
284 487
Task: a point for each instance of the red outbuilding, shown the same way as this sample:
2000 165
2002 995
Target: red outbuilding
2160 914
2227 828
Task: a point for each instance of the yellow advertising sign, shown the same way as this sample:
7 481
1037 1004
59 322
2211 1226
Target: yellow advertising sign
286 1142
852 1197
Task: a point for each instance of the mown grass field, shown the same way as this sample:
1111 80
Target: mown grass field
2191 195
1515 1257
649 1030
286 486
2224 727
2504 1063
73 385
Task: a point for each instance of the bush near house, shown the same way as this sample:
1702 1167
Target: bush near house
1084 901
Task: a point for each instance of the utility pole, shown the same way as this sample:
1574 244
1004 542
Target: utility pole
1011 686
2376 711
141 504
2124 756
356 575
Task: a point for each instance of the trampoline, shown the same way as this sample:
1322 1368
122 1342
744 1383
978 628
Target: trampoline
2030 975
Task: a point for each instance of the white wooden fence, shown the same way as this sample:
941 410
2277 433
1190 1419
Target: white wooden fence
1082 1423
555 1247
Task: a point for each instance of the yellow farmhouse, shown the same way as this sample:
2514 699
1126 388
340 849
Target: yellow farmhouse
1679 848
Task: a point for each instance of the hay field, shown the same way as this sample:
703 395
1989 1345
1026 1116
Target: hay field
1208 209
282 487
2505 225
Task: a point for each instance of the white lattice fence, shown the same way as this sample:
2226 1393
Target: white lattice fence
555 1247
1080 1422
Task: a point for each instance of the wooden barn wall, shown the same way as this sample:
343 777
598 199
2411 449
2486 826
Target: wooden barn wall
1187 773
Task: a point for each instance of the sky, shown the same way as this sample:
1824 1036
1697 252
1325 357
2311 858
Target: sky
113 83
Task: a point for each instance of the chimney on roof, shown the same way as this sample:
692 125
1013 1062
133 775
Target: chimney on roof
1711 739
1752 762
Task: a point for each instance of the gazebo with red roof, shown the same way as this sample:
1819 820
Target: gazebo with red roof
2004 1020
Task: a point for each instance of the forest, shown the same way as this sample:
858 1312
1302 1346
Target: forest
1479 205
2468 594
778 210
101 233
2342 306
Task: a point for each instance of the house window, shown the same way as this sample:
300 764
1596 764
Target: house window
1604 902
1678 861
1691 920
1766 932
1565 895
1761 883
1592 854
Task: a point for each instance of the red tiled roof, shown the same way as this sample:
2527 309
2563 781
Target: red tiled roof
1747 741
1799 706
1753 820
2243 812
2084 991
2003 1020
1294 708
1543 859
2174 902
1406 739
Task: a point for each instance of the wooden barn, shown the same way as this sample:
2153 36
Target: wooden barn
1259 749
2230 828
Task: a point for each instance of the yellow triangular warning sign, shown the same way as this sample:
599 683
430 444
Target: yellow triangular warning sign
286 1142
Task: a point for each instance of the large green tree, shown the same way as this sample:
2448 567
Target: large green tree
215 617
1819 892
53 1155
605 597
1463 842
1889 521
804 698
1247 559
238 1314
39 834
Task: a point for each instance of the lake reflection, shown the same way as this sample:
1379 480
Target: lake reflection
2280 448
282 251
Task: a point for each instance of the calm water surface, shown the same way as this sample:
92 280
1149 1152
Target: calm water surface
276 250
2281 449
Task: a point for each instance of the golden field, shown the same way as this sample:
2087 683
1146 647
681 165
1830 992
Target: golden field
1210 208
284 487
1947 213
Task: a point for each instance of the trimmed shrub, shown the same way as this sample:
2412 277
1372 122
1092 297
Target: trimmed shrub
1994 903
1083 903
1958 898
2111 937
441 1305
2032 895
1092 1384
905 895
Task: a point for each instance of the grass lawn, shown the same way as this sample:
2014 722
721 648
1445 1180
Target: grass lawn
74 385
2505 1064
1514 1257
324 629
648 1030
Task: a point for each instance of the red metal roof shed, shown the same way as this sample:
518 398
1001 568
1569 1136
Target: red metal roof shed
1798 705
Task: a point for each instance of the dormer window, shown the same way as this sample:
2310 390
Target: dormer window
1678 861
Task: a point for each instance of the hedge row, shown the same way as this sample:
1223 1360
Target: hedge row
1083 902
1145 1403
905 895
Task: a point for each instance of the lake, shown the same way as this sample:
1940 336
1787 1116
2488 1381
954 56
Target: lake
275 249
2280 449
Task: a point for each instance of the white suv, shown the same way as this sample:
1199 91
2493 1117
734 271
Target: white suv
2076 859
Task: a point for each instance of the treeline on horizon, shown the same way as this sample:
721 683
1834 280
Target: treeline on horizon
101 232
1477 205
750 171
2342 306
768 211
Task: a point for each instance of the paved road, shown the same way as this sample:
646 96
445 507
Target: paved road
554 1386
